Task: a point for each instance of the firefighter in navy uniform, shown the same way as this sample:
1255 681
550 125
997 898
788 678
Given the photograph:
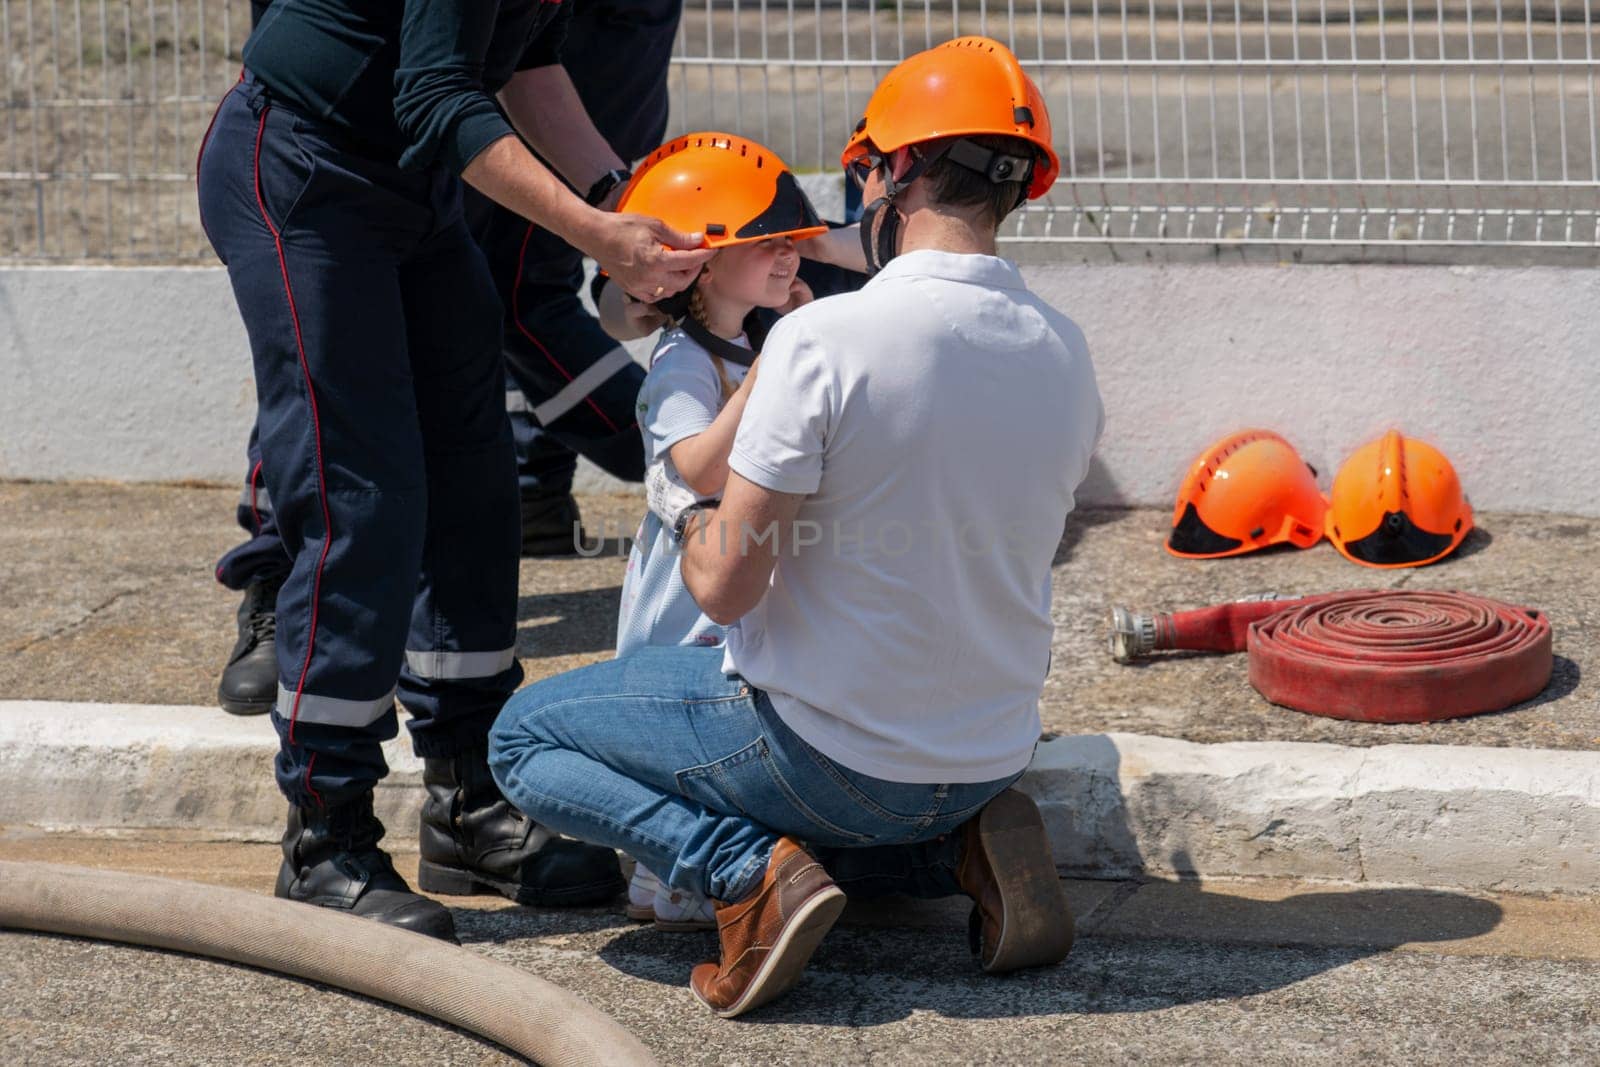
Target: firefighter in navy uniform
330 186
570 386
574 385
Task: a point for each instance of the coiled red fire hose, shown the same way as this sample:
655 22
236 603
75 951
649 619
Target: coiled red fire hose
1374 655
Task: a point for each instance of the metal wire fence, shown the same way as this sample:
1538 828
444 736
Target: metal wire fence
104 105
1378 129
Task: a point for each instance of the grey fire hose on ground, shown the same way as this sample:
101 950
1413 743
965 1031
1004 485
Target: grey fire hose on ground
495 1000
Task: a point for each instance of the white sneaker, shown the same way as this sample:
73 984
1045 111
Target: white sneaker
642 890
679 910
652 900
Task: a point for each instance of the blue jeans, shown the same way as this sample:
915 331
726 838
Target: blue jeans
692 772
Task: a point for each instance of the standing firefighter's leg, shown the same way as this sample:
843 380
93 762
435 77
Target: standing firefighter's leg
460 660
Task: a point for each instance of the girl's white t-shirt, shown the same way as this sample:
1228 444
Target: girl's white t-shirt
680 398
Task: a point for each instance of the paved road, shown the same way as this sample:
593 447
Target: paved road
1167 973
106 594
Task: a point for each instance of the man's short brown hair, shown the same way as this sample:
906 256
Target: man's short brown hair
959 186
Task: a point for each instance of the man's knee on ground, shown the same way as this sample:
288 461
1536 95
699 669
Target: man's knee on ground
519 737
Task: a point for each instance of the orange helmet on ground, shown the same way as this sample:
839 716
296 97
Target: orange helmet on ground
965 87
1249 490
730 188
1397 502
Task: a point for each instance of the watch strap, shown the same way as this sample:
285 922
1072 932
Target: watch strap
680 528
604 185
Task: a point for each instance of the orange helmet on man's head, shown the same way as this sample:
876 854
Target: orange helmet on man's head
1397 502
965 87
728 187
929 108
1249 490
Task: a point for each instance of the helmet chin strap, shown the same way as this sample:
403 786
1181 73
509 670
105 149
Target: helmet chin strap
881 221
880 233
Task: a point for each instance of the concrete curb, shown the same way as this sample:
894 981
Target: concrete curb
1514 820
108 767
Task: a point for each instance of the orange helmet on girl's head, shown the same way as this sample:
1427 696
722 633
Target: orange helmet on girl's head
1249 490
1397 502
730 188
962 88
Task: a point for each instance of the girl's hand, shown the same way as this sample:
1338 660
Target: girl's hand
642 318
799 296
625 318
665 497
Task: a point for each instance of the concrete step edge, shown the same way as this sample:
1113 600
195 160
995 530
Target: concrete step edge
1116 805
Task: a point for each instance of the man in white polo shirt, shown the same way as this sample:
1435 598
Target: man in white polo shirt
899 482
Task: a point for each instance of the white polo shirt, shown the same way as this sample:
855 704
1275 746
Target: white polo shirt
940 420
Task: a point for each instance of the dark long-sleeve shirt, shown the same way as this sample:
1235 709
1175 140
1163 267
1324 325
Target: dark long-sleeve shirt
409 80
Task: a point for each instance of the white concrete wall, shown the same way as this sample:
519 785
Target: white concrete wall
142 374
1500 367
127 374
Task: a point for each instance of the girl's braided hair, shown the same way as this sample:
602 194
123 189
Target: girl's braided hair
697 310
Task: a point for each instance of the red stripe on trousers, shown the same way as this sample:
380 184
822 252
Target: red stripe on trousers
516 289
255 512
310 763
316 431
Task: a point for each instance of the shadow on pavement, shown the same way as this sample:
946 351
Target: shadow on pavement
564 624
1476 541
1152 945
1564 678
1150 959
1078 523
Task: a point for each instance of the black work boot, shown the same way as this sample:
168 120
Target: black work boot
331 858
250 680
474 841
551 525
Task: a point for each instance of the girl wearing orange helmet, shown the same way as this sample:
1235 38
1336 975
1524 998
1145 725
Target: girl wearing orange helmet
752 211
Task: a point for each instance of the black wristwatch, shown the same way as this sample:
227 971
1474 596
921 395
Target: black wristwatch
605 184
680 529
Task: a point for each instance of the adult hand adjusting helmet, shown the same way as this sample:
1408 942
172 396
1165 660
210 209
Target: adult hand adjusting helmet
727 187
927 108
1397 502
1249 490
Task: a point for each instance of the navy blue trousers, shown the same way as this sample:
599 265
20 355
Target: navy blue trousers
384 445
570 389
262 557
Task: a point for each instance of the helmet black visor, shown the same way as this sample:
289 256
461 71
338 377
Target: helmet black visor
1398 540
1192 537
789 211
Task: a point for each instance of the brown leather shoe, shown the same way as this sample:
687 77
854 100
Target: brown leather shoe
769 936
1021 918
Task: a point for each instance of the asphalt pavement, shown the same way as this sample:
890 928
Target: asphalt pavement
1163 973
